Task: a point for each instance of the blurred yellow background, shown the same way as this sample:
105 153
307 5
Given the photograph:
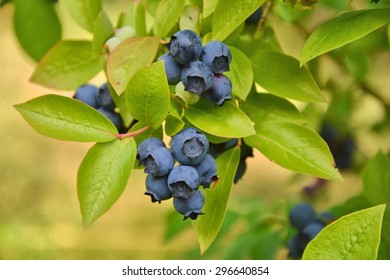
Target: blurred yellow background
39 211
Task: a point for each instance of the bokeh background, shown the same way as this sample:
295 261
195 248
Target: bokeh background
39 211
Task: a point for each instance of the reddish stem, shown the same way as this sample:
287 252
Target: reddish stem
132 133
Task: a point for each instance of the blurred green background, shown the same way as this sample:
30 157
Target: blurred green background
39 211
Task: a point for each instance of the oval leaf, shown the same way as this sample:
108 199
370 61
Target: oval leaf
128 57
103 30
240 74
84 12
67 65
229 14
216 199
355 236
168 12
103 175
281 75
224 121
342 30
37 26
294 147
68 119
147 95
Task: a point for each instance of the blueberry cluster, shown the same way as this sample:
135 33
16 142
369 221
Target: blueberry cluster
199 69
165 179
308 223
246 151
120 35
100 99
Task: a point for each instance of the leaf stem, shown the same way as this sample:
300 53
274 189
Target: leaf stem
132 133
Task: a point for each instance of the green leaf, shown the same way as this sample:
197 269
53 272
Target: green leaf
224 121
66 118
102 177
240 74
216 199
229 14
84 12
281 75
388 33
189 19
135 17
168 12
147 95
103 31
376 179
353 237
120 102
342 30
294 147
209 7
37 26
67 65
173 124
128 57
267 108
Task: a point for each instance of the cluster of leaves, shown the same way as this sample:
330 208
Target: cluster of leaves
265 80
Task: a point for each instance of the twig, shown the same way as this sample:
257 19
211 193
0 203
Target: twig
132 133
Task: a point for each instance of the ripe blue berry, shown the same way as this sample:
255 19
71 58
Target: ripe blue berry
312 230
190 207
217 56
88 94
207 171
158 162
197 77
147 145
183 180
157 188
297 245
104 98
220 90
185 46
255 17
172 69
113 117
189 146
302 215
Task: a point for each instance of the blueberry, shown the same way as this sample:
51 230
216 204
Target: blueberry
190 207
183 180
216 149
325 218
197 77
255 16
312 230
185 46
104 98
172 69
113 117
147 145
297 245
189 146
241 169
302 215
158 162
217 56
207 171
157 188
220 90
88 94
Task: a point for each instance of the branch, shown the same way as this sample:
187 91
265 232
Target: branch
132 133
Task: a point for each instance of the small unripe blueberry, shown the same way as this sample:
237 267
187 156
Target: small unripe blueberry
190 207
157 188
88 95
185 46
217 56
189 146
112 43
183 180
125 32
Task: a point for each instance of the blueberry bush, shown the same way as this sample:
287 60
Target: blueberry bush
195 89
